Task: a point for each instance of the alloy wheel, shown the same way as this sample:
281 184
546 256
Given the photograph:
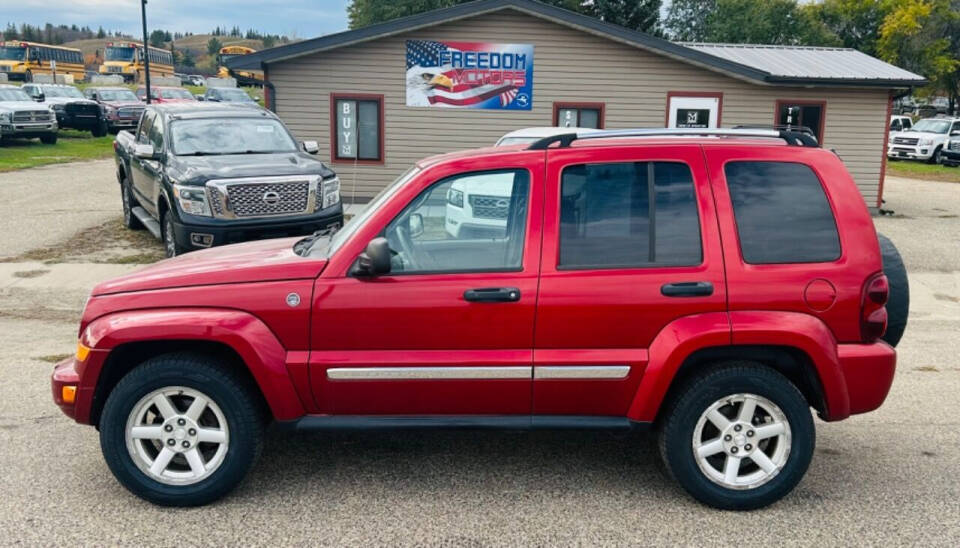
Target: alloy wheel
741 441
177 435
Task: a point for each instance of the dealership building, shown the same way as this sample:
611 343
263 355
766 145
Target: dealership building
379 98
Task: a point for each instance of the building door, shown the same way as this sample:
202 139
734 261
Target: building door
699 112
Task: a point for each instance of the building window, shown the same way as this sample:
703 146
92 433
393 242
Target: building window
809 114
357 131
588 115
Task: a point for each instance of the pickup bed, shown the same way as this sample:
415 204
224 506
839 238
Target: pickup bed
197 176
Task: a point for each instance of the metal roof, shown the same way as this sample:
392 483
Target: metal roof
791 63
683 52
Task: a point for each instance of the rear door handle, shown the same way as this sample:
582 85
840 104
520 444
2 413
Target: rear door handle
687 289
492 295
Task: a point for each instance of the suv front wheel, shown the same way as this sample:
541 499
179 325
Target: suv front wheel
738 437
181 430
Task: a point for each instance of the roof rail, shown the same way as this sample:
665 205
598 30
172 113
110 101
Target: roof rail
793 137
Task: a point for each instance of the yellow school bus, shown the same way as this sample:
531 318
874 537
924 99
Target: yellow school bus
244 77
21 60
126 59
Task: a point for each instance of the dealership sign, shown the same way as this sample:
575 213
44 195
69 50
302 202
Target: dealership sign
469 75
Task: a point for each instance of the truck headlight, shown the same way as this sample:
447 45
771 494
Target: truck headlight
455 197
331 193
5 117
926 141
192 200
57 107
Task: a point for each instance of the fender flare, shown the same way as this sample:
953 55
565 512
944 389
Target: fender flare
684 336
246 334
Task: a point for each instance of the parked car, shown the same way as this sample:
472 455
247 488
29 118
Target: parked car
228 95
72 109
196 80
166 94
760 294
924 141
900 123
121 107
21 117
201 175
950 155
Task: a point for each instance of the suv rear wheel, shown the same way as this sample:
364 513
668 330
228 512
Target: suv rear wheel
129 202
738 437
181 430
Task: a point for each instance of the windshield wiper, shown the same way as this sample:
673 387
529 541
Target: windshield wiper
302 247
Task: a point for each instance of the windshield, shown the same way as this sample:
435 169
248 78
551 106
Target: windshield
8 53
66 91
354 224
175 94
932 126
118 54
13 94
208 136
226 56
116 95
234 95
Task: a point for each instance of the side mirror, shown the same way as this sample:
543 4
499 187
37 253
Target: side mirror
955 133
39 97
375 259
415 225
200 97
144 152
256 98
310 147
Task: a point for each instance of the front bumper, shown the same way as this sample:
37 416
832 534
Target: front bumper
950 157
911 152
868 370
191 230
27 129
85 123
122 123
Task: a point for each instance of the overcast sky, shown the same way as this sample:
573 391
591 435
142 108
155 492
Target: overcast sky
301 18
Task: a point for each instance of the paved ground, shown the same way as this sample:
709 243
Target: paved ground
889 477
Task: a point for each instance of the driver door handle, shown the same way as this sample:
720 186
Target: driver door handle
492 295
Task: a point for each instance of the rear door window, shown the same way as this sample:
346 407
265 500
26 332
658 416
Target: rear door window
630 214
782 213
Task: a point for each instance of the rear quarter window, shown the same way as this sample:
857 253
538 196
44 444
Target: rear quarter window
782 213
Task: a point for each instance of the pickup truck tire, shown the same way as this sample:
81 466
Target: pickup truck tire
708 441
898 304
181 429
100 129
49 138
129 202
170 246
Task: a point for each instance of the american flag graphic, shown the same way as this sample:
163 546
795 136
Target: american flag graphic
450 87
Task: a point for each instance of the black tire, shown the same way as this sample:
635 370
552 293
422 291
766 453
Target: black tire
100 129
48 138
935 157
28 76
129 202
170 246
239 404
681 415
898 305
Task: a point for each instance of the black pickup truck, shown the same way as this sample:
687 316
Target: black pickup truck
200 175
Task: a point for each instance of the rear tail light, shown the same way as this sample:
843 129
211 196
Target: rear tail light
873 311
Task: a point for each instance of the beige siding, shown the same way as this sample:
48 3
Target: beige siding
569 65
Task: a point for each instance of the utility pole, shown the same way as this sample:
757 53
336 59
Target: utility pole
146 52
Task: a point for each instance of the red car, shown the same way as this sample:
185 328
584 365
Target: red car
166 94
712 285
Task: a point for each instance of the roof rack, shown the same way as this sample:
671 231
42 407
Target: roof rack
793 137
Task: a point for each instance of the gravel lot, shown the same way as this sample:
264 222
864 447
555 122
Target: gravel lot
889 477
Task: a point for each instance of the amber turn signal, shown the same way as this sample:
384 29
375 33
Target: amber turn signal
69 394
82 352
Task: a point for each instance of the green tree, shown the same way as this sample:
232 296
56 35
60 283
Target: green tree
269 41
922 36
855 22
187 58
157 38
101 33
11 32
642 15
362 13
213 45
781 22
686 20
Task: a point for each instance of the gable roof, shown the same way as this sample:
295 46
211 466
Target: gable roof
755 68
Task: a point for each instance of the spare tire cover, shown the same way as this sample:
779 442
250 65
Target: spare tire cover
899 303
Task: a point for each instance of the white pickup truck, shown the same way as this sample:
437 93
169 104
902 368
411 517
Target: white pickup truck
924 141
21 117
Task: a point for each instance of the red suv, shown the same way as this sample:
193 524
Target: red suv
714 285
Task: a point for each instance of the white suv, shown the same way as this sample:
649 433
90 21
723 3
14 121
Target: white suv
924 141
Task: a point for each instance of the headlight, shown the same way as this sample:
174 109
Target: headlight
192 200
57 106
331 193
455 197
926 141
5 117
